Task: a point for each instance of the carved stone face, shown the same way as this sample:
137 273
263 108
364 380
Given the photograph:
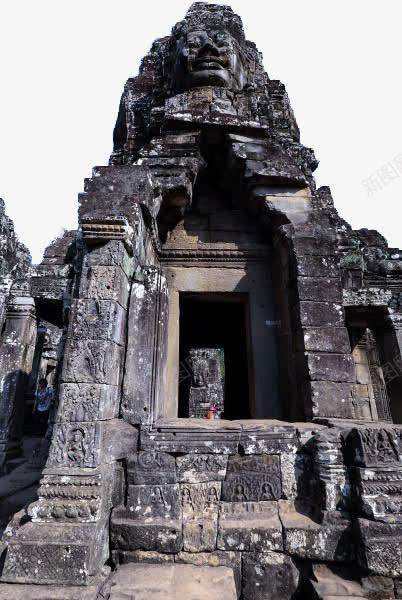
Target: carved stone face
207 58
200 371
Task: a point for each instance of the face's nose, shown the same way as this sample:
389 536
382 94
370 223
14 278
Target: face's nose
209 48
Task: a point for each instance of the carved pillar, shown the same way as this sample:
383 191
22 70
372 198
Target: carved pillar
71 517
144 383
374 459
18 345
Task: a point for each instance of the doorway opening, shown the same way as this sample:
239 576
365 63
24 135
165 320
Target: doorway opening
215 357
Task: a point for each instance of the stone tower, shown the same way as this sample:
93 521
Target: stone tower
228 377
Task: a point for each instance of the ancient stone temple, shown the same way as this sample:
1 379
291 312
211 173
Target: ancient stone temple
225 356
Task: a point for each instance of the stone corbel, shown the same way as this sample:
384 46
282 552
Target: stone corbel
96 231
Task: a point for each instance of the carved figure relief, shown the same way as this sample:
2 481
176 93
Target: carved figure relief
73 445
255 478
200 499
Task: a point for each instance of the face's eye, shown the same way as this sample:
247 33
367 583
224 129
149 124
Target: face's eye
194 42
221 40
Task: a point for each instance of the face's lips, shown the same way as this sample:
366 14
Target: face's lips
209 63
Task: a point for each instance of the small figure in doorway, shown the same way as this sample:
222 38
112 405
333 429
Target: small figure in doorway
43 402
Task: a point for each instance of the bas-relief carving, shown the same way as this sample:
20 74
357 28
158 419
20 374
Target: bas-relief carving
88 361
74 445
376 446
199 468
87 402
151 467
249 526
104 283
154 501
200 504
375 472
97 319
256 478
75 498
200 500
81 511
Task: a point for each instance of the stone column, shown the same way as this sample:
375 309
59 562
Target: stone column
67 540
325 367
17 350
317 336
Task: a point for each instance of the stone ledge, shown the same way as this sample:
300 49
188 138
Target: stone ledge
172 582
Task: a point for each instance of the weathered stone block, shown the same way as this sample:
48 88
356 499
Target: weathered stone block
90 444
97 320
219 558
331 367
198 436
104 283
200 503
268 576
305 538
151 468
252 479
362 374
111 254
326 582
288 475
154 501
15 591
50 553
319 289
329 399
172 581
325 339
158 535
318 266
380 547
87 402
201 468
345 582
123 557
318 314
267 437
315 243
92 361
249 527
74 495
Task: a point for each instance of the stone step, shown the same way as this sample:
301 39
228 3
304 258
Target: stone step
340 582
15 591
118 179
172 582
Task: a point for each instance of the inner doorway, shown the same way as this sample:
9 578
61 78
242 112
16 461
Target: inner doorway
217 321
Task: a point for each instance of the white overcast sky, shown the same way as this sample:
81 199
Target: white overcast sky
64 63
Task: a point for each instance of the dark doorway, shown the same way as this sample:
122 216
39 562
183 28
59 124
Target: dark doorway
217 321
